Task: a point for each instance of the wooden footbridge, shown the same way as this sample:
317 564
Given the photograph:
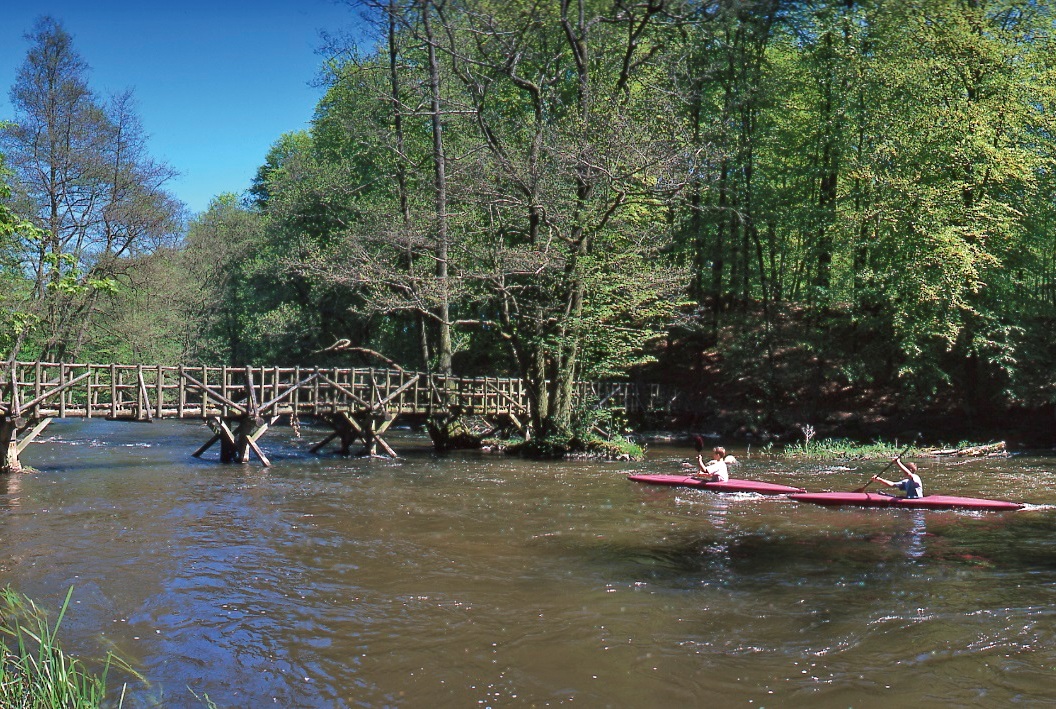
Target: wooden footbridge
239 404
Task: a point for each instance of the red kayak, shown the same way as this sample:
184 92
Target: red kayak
730 485
928 502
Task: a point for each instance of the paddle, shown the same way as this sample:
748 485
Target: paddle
698 443
906 450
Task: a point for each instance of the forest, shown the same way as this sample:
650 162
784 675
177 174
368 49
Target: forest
835 212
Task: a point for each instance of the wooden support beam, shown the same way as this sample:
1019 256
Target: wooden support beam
237 444
144 413
251 393
319 446
350 428
381 441
57 390
208 444
347 392
210 393
260 454
402 388
267 406
9 462
28 438
248 432
514 404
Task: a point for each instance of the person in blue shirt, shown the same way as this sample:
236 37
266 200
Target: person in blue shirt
911 484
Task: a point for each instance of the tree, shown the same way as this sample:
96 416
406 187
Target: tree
15 288
82 175
569 240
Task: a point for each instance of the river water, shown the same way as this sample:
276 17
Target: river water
473 579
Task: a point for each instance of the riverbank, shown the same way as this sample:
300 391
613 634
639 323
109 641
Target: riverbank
745 388
1021 430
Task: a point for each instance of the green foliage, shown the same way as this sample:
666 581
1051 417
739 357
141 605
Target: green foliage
87 198
879 174
844 449
35 671
558 447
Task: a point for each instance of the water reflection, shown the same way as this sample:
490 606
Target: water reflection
915 544
10 489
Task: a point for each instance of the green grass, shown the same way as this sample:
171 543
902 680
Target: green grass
35 673
844 449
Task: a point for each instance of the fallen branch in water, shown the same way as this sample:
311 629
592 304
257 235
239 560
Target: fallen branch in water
989 449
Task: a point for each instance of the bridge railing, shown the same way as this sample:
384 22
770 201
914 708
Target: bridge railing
145 392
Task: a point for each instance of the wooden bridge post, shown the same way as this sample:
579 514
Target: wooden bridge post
237 437
366 425
9 462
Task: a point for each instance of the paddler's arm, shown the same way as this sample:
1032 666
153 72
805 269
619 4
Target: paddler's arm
881 480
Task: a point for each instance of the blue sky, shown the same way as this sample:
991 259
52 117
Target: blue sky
216 83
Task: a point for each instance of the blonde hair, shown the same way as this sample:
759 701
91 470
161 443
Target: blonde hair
720 450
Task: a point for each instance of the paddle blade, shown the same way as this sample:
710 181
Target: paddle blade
698 442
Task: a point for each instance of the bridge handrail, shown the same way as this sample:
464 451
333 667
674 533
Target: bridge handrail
57 389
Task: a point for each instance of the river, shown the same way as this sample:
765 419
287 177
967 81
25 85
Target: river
473 579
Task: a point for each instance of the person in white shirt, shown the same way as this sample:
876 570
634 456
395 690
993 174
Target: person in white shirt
714 470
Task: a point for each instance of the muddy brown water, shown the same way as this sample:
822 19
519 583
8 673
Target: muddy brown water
479 580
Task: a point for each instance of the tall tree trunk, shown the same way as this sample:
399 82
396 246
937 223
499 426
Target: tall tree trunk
401 169
443 310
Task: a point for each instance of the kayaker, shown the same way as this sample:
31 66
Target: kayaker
911 485
715 469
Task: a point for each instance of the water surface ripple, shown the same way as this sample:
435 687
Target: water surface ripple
476 580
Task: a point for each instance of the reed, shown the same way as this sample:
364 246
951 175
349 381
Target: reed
34 670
